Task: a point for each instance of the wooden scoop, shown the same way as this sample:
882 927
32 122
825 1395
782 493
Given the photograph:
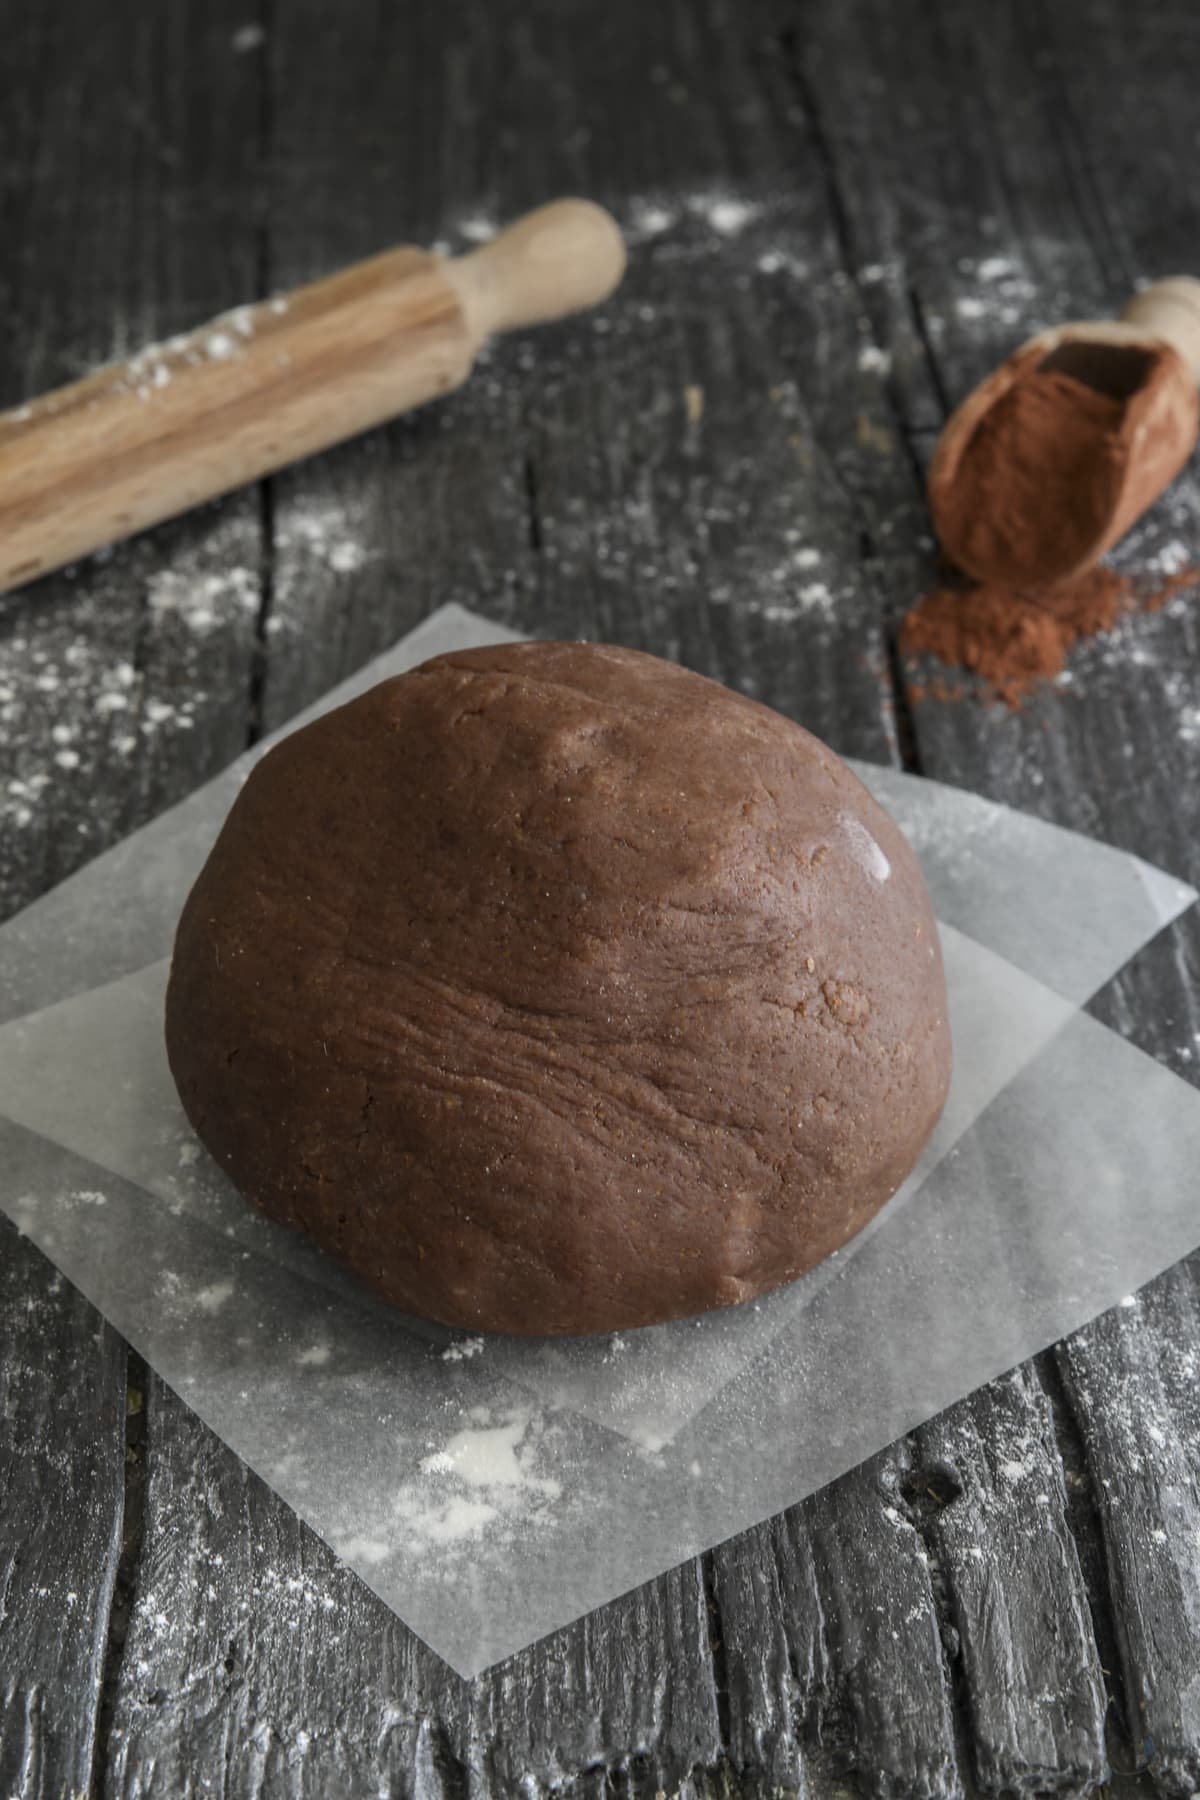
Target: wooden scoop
1052 458
183 421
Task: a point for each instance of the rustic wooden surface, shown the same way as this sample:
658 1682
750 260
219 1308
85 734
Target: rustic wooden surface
841 214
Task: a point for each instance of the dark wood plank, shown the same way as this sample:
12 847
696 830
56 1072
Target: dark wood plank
121 684
753 1660
62 1455
805 186
830 1643
124 682
990 1492
599 506
1131 1381
888 1708
258 1664
602 500
1023 204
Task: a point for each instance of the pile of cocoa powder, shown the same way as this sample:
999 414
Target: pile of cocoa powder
1013 638
1040 473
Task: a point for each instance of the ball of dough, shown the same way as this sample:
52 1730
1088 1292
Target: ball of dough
555 989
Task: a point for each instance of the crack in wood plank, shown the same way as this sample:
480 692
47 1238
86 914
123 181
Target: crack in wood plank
133 1521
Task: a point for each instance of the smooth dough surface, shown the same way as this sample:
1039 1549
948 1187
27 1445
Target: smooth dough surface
555 989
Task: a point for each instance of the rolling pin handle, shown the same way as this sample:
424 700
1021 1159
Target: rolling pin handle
1170 310
555 261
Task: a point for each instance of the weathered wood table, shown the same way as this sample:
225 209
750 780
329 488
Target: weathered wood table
840 215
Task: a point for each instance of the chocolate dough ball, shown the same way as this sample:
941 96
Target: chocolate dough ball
553 988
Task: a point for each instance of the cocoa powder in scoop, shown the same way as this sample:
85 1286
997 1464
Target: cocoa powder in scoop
1053 458
1038 476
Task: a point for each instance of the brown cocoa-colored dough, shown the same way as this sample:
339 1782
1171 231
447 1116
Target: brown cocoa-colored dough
556 989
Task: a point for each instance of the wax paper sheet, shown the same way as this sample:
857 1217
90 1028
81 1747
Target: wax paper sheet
490 1489
1026 889
91 1073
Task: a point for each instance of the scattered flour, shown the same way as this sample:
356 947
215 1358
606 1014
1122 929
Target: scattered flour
204 601
325 533
242 320
477 228
483 1479
872 359
650 218
1007 290
439 1463
247 38
363 1549
776 261
219 346
212 1299
726 215
485 1456
465 1348
1172 557
346 557
815 596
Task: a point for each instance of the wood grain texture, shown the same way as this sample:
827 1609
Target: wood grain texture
841 216
123 684
1131 1380
142 440
605 506
1114 748
273 381
990 1491
257 1663
890 1700
122 204
62 1453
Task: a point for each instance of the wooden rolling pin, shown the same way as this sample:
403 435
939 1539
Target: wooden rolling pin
263 385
